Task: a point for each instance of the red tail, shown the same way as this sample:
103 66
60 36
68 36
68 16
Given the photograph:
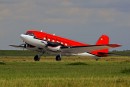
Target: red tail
103 40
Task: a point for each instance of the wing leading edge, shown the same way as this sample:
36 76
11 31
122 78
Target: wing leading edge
17 46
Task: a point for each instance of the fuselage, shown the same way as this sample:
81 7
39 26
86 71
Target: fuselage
37 40
43 42
53 38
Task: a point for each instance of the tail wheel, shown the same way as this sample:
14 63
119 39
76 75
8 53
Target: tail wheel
37 58
58 58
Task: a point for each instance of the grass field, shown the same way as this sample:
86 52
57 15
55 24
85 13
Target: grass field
70 72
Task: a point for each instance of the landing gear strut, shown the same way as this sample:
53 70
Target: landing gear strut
58 57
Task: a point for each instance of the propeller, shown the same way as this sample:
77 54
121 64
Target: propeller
24 45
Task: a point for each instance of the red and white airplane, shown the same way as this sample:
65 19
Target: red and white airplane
44 42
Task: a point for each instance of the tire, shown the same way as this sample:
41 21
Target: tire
37 58
58 58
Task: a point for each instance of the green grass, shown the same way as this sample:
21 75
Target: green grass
32 53
17 53
70 72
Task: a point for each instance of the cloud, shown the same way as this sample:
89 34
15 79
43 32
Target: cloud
57 11
64 15
4 13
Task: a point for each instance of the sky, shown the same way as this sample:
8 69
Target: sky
80 20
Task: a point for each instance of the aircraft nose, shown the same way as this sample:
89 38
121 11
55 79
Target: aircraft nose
23 36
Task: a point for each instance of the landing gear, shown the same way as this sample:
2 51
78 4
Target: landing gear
97 59
58 57
37 58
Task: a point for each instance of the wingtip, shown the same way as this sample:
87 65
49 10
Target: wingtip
115 45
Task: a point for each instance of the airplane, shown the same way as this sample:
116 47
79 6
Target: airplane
43 42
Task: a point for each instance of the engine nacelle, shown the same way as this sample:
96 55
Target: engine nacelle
55 49
52 46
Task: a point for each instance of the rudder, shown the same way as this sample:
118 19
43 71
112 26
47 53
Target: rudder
103 40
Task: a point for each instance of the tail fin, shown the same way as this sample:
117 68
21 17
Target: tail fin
103 40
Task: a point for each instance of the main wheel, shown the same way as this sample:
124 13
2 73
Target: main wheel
58 58
97 59
37 58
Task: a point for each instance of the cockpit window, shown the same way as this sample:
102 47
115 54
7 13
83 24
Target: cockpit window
30 34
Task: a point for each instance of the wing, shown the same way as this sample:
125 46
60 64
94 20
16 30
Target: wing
89 48
18 46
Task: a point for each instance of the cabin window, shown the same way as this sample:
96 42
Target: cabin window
58 42
44 38
53 40
65 44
